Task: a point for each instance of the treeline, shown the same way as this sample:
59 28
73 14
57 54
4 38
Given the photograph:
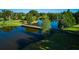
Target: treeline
68 18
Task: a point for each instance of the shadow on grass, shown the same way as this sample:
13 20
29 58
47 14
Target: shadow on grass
53 40
57 40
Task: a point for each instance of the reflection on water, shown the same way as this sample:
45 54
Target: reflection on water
9 36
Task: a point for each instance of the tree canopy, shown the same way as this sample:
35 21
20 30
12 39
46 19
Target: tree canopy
69 19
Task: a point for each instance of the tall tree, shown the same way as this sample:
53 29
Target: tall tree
52 16
77 17
29 18
34 12
7 14
32 16
69 18
46 23
19 16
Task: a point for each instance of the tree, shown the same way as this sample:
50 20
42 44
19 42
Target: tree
29 18
15 16
69 19
19 16
32 16
52 16
1 18
7 14
77 17
34 13
0 14
46 23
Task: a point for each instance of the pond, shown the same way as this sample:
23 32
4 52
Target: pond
17 37
54 25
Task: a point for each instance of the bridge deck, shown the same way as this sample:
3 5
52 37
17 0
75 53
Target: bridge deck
32 26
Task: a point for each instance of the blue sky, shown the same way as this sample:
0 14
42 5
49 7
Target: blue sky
43 10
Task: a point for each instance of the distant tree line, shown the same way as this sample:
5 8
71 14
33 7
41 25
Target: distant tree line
68 18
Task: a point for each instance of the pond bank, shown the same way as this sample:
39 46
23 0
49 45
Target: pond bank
10 23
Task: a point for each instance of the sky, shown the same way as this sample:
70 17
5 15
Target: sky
43 10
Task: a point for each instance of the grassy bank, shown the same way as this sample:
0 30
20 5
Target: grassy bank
74 28
10 23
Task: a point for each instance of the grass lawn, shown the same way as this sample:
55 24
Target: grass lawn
56 41
10 23
74 28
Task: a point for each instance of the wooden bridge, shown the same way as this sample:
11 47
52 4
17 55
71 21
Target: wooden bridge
32 28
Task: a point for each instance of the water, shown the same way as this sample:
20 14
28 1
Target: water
40 22
17 37
54 25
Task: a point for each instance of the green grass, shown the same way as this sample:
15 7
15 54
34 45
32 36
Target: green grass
10 23
56 41
76 25
74 28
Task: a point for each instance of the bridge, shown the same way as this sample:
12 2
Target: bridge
31 26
